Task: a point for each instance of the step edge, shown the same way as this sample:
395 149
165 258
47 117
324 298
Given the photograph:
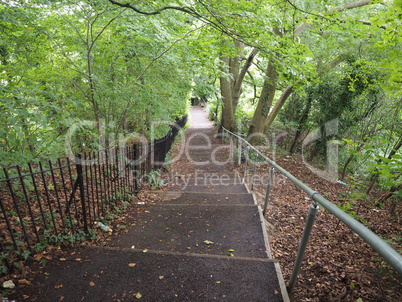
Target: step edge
161 252
278 270
204 205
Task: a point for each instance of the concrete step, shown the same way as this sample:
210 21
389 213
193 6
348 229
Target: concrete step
176 197
209 183
189 228
103 274
204 179
209 159
223 169
221 189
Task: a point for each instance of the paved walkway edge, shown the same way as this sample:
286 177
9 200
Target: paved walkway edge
278 270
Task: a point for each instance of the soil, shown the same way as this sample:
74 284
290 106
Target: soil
338 265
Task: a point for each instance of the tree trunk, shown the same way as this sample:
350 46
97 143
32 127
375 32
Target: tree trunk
388 194
231 88
262 123
228 119
278 106
349 160
397 146
264 104
302 122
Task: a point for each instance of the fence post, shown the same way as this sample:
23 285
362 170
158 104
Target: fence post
240 146
254 168
312 212
245 163
137 173
80 179
271 171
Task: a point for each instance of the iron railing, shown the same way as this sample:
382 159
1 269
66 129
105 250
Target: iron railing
49 202
379 245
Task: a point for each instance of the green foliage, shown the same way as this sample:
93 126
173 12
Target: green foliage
154 179
354 199
66 63
373 164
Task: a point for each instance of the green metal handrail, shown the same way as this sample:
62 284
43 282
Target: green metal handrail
379 245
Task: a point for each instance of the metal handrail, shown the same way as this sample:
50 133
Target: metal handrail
379 245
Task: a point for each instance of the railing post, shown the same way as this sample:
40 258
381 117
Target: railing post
312 212
136 166
245 163
271 172
254 168
240 146
80 179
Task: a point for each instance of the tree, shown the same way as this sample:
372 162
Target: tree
279 71
231 85
63 63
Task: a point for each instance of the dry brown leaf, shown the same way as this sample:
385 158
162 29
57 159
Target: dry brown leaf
24 281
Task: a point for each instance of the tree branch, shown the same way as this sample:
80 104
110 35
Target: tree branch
353 5
244 69
103 29
165 51
254 86
363 22
188 10
156 12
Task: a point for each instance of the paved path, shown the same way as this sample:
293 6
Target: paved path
202 240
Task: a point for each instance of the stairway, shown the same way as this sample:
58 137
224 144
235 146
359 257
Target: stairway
203 239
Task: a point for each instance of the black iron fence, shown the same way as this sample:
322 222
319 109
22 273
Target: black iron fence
49 203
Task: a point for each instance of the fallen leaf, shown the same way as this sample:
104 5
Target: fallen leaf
77 259
144 251
58 286
138 296
161 277
231 250
207 242
91 284
24 281
132 264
